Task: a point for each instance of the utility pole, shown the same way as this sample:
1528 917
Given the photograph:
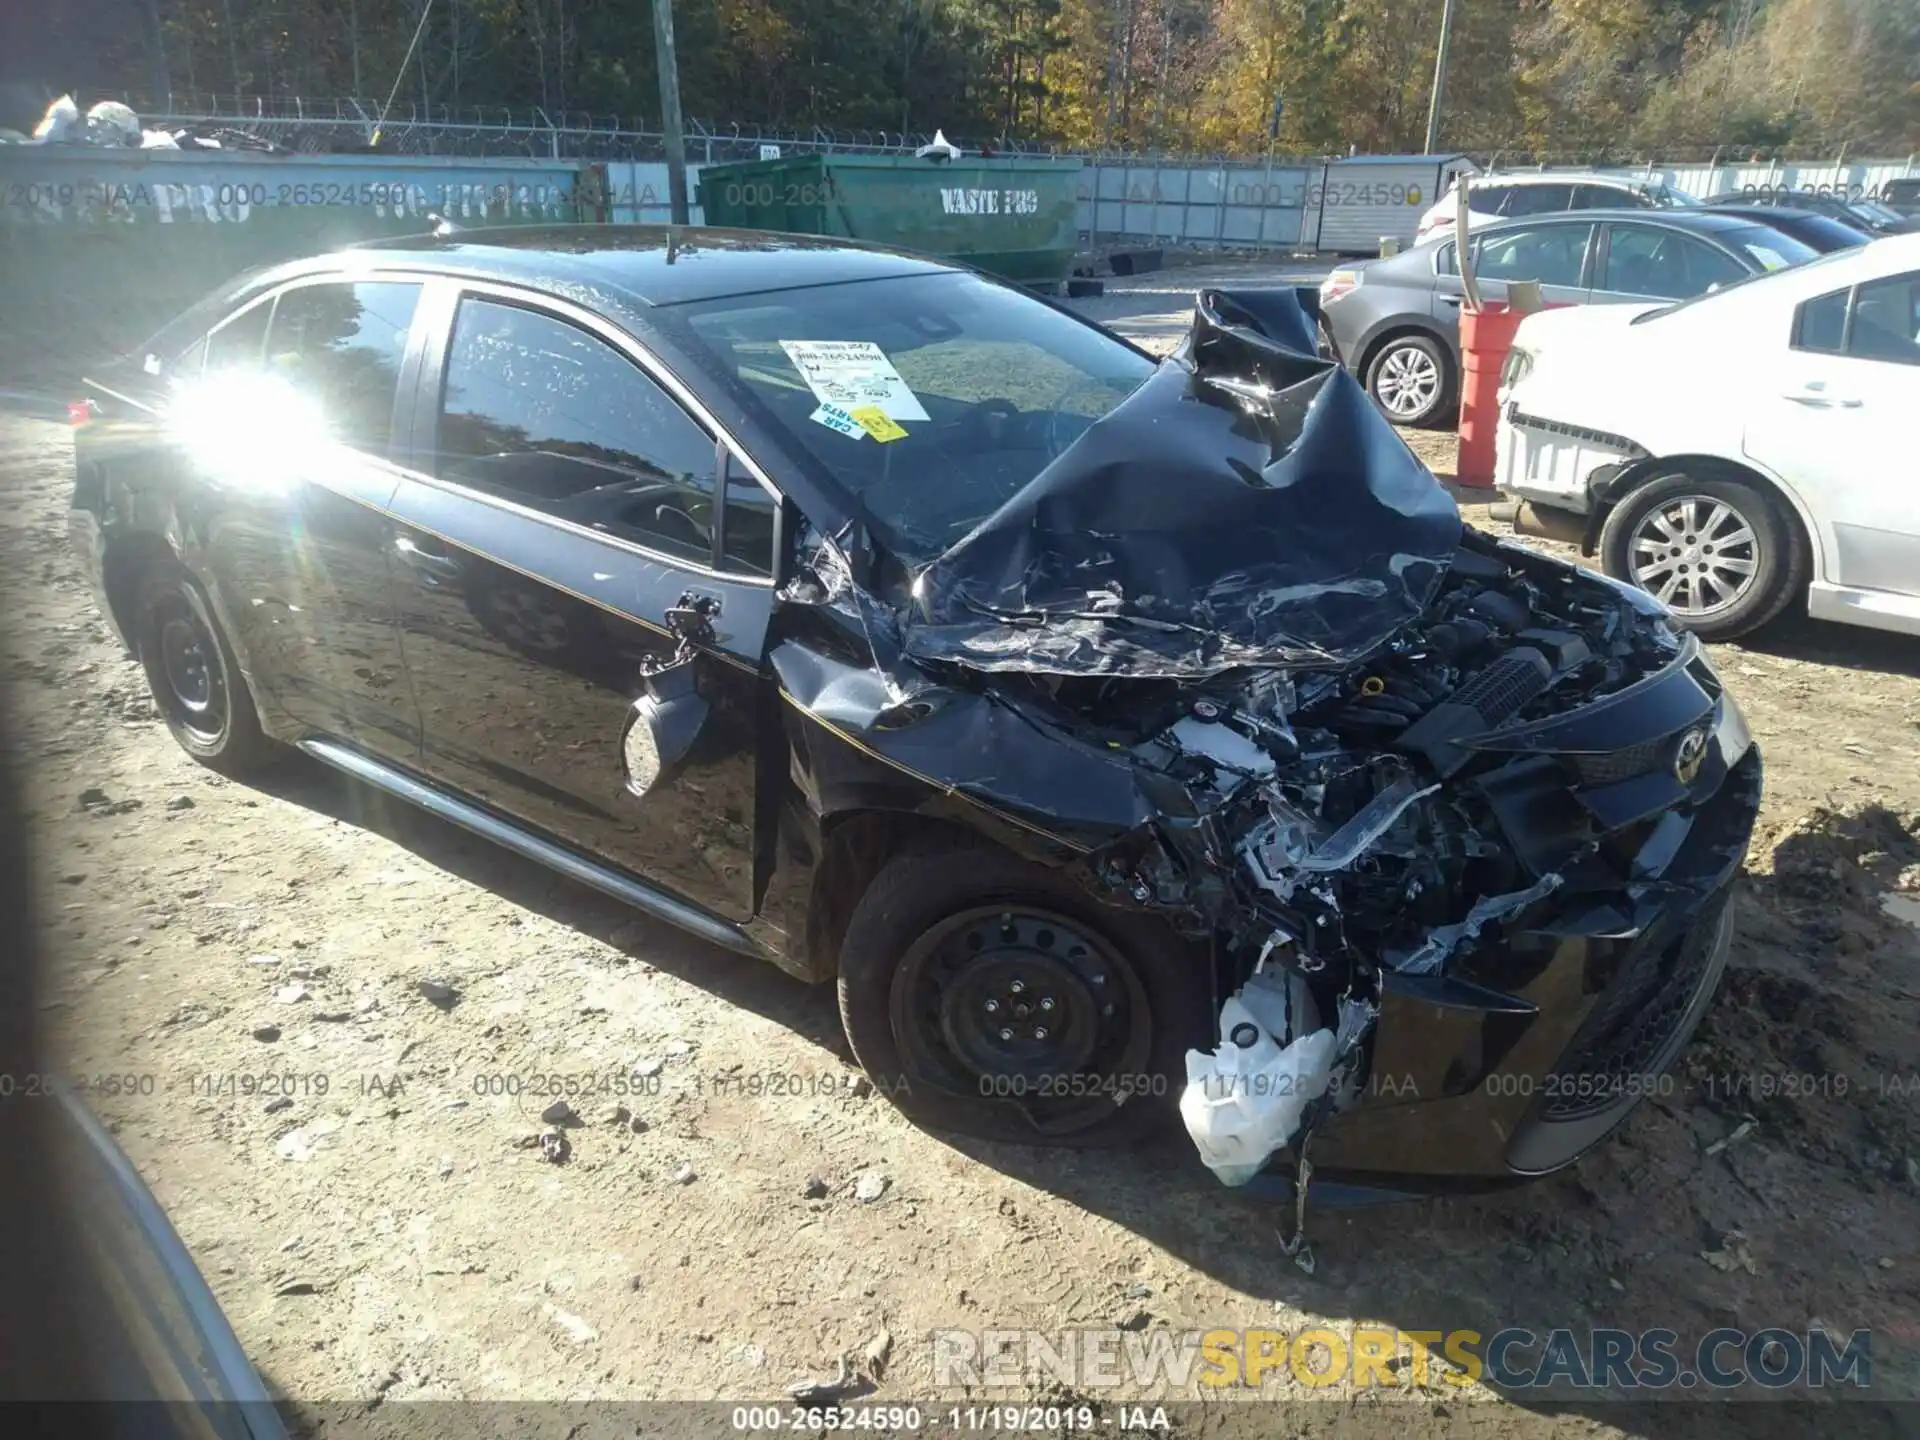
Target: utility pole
1439 77
670 110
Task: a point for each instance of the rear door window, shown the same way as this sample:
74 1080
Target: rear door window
1489 199
341 345
1821 323
1551 254
1886 321
239 343
1539 200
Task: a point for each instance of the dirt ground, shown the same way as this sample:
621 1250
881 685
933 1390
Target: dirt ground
389 1235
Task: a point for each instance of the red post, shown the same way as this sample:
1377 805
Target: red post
1485 337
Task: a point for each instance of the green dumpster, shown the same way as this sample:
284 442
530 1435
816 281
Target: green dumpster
1015 217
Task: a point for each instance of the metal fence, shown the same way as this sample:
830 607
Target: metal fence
331 125
1286 202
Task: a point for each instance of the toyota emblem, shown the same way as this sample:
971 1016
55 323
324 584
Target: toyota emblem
1689 755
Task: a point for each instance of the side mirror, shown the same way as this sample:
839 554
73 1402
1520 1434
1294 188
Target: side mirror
662 726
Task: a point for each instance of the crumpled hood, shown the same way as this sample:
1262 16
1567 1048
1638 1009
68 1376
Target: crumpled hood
1248 505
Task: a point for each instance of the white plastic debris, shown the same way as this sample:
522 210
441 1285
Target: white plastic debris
939 148
158 140
60 122
1244 1100
112 123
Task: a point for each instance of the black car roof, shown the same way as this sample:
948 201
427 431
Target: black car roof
653 264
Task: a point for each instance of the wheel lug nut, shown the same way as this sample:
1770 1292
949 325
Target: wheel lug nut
1017 986
1047 1004
1039 1032
993 1007
1006 1034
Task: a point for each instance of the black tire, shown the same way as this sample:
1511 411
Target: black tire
1412 350
1133 994
1707 604
195 680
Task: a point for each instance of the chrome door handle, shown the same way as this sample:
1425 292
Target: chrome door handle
409 552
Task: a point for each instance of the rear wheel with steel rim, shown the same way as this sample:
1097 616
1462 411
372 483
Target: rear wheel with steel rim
1411 378
992 996
196 682
1715 550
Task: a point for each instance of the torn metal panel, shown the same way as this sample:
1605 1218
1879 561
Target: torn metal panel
1276 520
1489 908
970 741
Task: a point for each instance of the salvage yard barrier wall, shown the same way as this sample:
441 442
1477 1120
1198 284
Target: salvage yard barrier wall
1350 205
99 246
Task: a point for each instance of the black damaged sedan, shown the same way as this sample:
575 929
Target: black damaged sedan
1121 736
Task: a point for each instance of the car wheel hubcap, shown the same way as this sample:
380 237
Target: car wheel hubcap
1024 1005
190 670
1696 554
1407 382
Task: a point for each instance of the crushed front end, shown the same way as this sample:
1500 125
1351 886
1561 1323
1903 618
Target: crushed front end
1456 821
1492 861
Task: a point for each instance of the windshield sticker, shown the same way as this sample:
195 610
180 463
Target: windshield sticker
852 373
839 421
874 421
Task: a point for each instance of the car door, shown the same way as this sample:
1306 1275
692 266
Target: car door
1837 425
292 425
1652 262
567 514
1555 254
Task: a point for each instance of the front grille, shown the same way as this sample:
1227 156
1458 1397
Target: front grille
1619 1050
1623 764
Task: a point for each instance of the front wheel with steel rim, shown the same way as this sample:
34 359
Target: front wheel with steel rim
1411 378
196 682
1715 550
992 996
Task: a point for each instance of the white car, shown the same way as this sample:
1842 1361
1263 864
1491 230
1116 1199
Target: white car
1735 452
1545 192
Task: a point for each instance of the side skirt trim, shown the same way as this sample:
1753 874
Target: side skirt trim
690 918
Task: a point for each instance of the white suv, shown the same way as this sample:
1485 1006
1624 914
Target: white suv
1543 192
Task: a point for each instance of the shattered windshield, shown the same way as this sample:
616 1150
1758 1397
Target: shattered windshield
931 398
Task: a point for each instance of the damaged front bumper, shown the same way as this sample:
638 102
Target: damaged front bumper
1504 1037
1524 1057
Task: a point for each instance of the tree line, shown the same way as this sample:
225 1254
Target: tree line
1554 78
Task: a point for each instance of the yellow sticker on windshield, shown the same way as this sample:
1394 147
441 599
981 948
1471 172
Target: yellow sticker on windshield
873 420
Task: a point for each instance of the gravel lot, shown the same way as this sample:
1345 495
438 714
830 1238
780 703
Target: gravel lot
389 1235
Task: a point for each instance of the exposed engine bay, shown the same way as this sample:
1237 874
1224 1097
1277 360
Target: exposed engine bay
1335 831
1325 795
